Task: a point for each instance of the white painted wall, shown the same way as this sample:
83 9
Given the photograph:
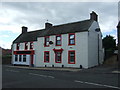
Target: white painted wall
22 63
22 48
81 49
86 50
93 45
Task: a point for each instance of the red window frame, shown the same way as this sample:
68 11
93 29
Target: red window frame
70 39
26 45
17 46
31 45
70 57
56 57
58 40
45 56
45 42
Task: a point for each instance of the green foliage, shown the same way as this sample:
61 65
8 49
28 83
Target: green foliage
109 43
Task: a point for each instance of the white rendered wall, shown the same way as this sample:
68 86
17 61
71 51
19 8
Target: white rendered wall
22 63
22 48
81 50
93 45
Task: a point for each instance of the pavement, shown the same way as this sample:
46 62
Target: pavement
98 69
48 68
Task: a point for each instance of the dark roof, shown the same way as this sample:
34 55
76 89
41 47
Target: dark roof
80 26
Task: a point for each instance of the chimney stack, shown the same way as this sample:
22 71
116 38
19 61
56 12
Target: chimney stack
48 25
93 16
24 29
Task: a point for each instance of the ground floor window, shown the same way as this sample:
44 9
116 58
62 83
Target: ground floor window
71 57
16 58
58 56
20 58
24 58
46 56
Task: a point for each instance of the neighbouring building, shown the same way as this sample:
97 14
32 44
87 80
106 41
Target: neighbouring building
76 44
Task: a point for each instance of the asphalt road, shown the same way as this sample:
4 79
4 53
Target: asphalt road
13 77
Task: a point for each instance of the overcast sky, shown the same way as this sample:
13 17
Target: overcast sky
14 15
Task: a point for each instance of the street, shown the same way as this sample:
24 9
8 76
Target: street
26 78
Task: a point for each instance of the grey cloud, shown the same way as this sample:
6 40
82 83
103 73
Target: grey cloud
58 13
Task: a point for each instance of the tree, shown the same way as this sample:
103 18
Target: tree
109 43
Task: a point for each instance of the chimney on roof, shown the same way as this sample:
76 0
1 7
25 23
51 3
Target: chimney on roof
93 16
24 29
48 25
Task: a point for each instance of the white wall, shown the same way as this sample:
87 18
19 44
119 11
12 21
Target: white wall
22 63
93 45
22 48
80 48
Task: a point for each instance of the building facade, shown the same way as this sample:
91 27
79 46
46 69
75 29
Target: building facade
77 44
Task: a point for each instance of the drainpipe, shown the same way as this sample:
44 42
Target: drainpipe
98 51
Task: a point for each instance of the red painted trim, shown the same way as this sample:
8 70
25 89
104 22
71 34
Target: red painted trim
26 46
69 38
55 50
31 59
60 40
60 57
32 52
45 41
45 57
69 57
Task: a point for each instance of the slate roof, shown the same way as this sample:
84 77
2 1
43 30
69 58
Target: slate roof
73 27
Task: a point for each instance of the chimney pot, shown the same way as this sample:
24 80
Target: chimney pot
93 16
48 25
24 29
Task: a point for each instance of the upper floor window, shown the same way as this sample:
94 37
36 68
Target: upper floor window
71 39
46 41
46 56
17 46
31 45
58 40
26 46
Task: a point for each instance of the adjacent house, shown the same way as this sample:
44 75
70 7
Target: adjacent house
76 44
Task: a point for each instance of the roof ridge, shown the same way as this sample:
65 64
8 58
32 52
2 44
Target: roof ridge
74 22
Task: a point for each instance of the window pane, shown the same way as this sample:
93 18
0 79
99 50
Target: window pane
19 58
72 36
72 59
46 57
58 57
58 43
46 41
72 56
16 57
24 58
58 37
72 41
